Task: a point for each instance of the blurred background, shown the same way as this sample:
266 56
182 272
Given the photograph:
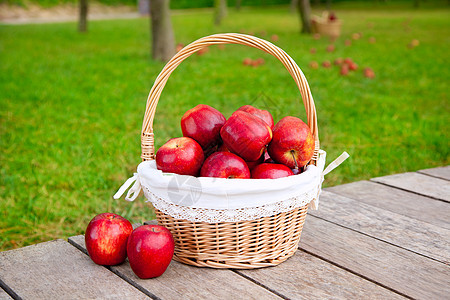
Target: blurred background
75 76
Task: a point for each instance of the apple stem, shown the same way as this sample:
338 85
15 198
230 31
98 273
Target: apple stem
295 161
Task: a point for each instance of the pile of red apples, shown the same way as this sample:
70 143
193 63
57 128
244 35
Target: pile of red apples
246 145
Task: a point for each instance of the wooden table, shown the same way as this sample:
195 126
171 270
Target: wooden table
386 238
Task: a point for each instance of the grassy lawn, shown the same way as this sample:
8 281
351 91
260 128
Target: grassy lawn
71 105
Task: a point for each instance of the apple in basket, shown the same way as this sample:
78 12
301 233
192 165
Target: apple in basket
150 250
181 155
271 171
292 143
106 239
252 164
246 135
225 165
202 123
264 115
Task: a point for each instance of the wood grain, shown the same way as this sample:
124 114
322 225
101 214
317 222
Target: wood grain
441 172
418 183
304 276
400 230
398 201
57 270
398 269
186 282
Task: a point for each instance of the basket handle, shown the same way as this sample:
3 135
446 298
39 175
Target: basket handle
147 138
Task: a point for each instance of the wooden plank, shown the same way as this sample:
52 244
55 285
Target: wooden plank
441 172
57 270
304 276
421 184
398 201
186 282
403 231
398 269
4 295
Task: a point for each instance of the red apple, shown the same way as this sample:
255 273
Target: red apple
181 155
252 164
202 51
353 66
326 64
344 70
260 61
292 143
314 64
332 17
271 171
247 61
246 135
264 115
179 47
255 63
356 35
202 123
150 250
338 61
348 60
369 73
331 48
106 239
225 165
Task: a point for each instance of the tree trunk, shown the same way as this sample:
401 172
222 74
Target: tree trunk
82 24
220 11
293 6
304 9
163 40
238 5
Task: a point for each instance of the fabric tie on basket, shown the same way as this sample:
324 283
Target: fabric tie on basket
220 200
314 204
135 190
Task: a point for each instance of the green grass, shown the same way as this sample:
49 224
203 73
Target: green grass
72 104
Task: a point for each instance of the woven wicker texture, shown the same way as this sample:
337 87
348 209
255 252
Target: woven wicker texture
247 244
241 245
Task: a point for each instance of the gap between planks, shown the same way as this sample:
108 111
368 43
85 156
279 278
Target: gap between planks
419 183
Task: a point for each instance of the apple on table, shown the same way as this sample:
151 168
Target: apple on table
150 250
106 239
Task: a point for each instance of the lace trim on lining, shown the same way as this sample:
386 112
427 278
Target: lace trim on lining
229 215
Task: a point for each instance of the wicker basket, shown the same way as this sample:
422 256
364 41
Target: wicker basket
323 26
330 29
258 243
